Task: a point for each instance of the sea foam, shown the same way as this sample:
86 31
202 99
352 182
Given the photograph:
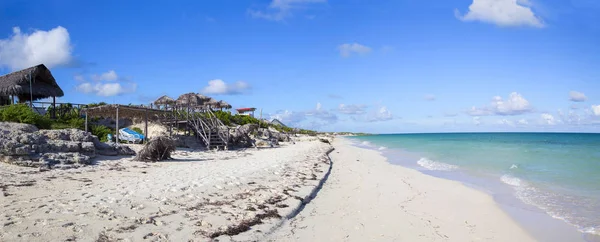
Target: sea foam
435 166
382 148
366 143
511 180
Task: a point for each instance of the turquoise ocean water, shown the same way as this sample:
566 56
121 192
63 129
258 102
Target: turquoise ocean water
559 173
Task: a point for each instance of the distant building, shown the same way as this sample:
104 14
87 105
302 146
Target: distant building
277 122
246 111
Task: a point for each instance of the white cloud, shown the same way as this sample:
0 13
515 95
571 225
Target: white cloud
577 96
505 122
596 110
352 109
523 122
346 50
21 50
79 78
324 115
279 10
289 117
106 89
334 96
429 97
220 87
107 76
548 119
105 85
477 121
448 114
383 114
514 105
574 107
503 13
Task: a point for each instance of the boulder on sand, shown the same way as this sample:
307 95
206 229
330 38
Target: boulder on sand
25 145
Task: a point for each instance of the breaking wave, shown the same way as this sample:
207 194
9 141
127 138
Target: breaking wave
435 166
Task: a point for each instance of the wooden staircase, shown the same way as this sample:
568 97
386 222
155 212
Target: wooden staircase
209 129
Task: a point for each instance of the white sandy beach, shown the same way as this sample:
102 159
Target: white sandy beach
204 194
368 199
187 199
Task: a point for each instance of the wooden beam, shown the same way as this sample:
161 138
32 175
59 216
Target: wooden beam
117 129
53 107
146 127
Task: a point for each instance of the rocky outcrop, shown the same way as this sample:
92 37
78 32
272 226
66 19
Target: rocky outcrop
24 144
240 136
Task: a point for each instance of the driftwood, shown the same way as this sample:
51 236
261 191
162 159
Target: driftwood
156 149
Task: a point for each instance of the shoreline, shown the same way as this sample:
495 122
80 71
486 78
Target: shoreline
542 226
368 198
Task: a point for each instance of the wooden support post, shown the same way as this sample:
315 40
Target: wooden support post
146 126
117 129
53 107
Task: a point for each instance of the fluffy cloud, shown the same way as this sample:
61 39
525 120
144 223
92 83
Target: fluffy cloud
505 122
279 10
346 50
383 114
352 109
104 85
220 87
429 97
577 96
504 13
106 89
288 117
523 122
477 121
514 105
107 76
548 119
21 50
321 114
596 110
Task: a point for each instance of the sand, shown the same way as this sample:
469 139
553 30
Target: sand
200 195
368 199
191 198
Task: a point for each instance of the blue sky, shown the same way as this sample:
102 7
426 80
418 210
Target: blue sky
386 66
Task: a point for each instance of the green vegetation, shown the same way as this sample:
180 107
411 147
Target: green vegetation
66 118
21 113
138 130
101 131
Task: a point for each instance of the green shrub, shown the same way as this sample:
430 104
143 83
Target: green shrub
243 119
101 132
21 113
225 117
136 129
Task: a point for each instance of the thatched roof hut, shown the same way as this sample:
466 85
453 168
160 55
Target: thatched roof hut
224 105
43 84
192 99
164 100
213 103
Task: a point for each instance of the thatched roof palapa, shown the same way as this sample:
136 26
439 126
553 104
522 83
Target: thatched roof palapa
225 105
213 103
110 111
164 100
43 84
192 99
